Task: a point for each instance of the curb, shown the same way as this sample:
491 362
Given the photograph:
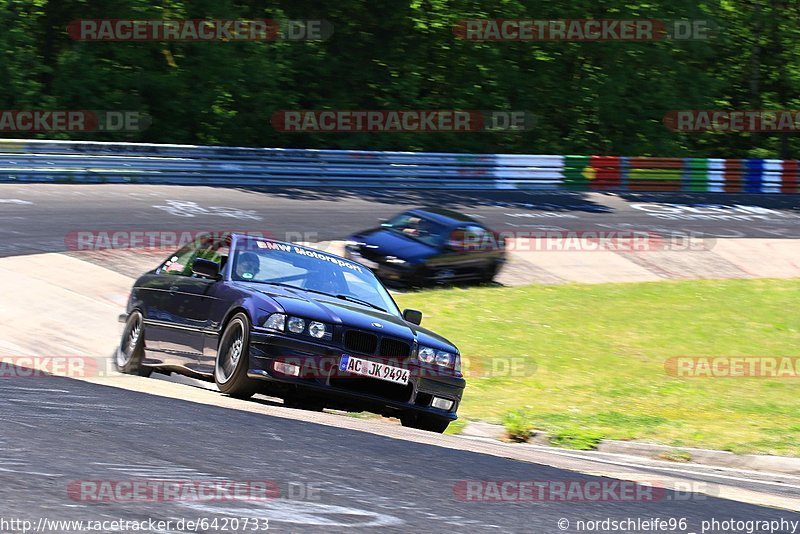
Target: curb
652 451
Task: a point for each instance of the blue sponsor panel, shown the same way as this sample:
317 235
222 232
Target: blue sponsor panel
753 175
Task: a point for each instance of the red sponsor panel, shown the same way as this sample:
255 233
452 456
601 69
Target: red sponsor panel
734 175
789 176
607 172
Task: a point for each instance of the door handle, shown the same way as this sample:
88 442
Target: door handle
172 289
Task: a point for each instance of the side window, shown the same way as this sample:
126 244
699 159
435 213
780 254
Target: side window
458 239
180 263
478 238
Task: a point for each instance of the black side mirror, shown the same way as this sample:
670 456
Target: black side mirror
205 268
412 316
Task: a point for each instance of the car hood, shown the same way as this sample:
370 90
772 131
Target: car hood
385 242
340 312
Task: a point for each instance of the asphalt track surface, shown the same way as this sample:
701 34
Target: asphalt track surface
41 217
58 432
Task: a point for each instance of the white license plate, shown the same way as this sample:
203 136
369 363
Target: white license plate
381 371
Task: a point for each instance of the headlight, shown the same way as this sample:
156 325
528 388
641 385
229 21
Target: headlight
426 354
444 359
296 325
276 321
316 329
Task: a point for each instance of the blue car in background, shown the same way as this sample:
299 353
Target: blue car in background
257 315
420 247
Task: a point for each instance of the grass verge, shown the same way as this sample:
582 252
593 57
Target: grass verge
590 361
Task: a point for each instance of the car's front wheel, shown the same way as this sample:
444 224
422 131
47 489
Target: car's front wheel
230 368
130 352
425 422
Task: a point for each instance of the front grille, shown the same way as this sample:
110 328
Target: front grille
394 348
360 342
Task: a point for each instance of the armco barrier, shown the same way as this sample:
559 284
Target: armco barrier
89 162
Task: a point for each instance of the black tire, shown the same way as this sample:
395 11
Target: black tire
489 273
230 367
425 422
420 278
130 351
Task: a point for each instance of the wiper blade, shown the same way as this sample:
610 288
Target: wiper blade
359 301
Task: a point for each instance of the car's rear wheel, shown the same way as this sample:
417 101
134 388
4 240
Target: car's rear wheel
425 422
489 273
130 352
230 368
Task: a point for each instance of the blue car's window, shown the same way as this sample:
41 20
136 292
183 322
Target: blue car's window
280 263
418 228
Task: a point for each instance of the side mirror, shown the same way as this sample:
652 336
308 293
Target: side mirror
205 268
412 316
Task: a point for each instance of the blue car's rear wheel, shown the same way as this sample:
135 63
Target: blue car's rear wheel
130 352
230 369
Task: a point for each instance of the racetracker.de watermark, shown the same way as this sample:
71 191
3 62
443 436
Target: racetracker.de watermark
62 120
733 367
410 121
167 240
39 366
195 30
722 120
634 241
198 490
636 30
577 491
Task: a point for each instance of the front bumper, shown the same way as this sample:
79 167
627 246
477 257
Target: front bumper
321 378
402 272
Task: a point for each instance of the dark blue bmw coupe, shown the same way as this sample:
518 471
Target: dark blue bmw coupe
318 330
429 246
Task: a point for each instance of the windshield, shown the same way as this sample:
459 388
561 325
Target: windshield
269 262
418 228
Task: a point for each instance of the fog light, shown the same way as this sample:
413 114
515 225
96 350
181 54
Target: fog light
287 368
442 404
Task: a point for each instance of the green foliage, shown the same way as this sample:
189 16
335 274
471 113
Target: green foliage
577 439
518 426
588 97
594 357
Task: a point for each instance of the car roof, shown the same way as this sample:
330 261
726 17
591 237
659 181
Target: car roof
444 216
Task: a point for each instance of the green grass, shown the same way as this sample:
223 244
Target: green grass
588 361
518 426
